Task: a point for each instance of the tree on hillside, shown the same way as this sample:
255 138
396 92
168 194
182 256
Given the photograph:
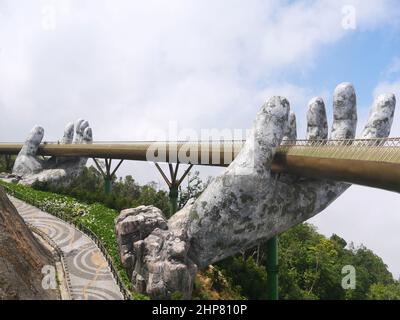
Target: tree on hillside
195 186
6 163
310 267
89 187
379 291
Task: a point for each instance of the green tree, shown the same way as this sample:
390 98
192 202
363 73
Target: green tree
247 275
310 267
89 187
150 196
6 163
195 186
370 269
379 291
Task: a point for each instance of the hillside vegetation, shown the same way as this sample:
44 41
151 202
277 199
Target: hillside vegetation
310 264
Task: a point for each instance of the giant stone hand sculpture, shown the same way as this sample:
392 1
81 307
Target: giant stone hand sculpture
55 170
246 204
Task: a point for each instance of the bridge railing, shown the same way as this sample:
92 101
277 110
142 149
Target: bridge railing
377 150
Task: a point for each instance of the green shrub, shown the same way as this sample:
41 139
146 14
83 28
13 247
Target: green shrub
177 295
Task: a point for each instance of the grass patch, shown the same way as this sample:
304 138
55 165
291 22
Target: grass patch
96 217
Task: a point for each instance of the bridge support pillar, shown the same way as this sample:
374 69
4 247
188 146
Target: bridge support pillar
107 174
272 268
173 198
107 185
173 184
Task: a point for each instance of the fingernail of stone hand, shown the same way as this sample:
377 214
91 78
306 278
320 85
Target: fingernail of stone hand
317 124
381 117
344 112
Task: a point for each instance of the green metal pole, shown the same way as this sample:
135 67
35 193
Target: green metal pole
272 268
107 185
173 199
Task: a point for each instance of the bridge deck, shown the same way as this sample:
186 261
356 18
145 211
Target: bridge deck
370 162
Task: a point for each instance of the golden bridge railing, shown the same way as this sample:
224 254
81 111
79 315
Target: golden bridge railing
380 150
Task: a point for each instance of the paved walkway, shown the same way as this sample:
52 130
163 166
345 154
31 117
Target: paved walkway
89 275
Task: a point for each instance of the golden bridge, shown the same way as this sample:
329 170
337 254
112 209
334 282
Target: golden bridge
369 162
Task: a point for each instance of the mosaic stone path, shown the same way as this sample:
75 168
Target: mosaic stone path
89 276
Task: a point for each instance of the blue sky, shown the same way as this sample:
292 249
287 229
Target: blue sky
134 67
361 58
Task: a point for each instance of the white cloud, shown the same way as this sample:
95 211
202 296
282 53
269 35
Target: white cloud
394 67
131 66
387 87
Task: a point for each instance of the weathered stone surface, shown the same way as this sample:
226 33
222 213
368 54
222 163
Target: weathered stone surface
155 258
29 168
133 225
138 223
317 123
26 163
248 203
344 112
381 118
22 258
290 132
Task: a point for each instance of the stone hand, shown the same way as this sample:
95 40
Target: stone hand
239 210
246 204
55 170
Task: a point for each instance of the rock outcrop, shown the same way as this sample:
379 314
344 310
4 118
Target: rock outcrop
143 237
22 258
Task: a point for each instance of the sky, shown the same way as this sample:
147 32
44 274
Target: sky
136 69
